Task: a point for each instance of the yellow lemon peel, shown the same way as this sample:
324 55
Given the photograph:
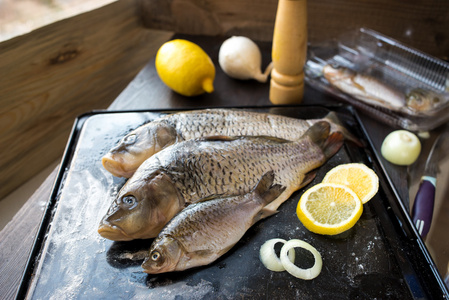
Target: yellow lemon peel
329 208
185 68
358 177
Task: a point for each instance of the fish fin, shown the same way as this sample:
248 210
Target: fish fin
266 190
318 133
332 144
233 138
329 144
211 197
166 134
275 139
202 253
277 202
307 179
219 138
357 85
333 118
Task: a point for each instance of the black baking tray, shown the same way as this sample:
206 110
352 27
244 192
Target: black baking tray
381 257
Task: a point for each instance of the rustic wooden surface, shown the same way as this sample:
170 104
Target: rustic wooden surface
146 91
420 23
55 73
18 236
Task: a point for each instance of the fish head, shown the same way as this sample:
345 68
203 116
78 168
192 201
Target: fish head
133 149
422 100
164 255
335 73
142 208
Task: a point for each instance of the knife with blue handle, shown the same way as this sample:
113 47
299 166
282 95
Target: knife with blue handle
422 210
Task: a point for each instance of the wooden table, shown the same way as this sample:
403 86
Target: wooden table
146 91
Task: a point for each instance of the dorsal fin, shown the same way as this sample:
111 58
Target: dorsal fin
232 138
218 138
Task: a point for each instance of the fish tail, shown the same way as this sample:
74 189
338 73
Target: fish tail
329 144
332 117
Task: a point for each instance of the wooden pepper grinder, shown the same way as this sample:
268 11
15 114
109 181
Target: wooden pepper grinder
289 52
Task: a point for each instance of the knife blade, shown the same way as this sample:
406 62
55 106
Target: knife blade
422 211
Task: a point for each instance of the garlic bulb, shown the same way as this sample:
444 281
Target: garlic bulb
240 58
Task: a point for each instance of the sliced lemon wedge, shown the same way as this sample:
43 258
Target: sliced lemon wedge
329 208
358 177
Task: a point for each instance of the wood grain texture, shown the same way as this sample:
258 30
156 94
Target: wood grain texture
17 239
52 75
421 24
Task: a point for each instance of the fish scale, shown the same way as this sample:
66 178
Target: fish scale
150 138
206 168
199 217
215 122
200 169
204 231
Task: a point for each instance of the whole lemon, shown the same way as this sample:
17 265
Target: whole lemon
185 68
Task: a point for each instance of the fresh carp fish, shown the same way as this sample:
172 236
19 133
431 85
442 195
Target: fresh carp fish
150 138
198 169
204 231
374 92
363 87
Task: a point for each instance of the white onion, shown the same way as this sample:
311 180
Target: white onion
290 267
240 58
401 147
269 258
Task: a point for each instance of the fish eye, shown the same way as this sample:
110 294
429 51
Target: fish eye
129 201
155 255
130 139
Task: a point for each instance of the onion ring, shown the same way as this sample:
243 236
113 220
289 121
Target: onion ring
269 258
290 267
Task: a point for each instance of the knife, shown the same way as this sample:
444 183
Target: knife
422 210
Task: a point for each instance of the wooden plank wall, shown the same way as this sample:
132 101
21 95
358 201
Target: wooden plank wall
422 24
53 74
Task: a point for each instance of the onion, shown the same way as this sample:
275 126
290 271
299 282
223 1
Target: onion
401 147
240 58
290 267
269 258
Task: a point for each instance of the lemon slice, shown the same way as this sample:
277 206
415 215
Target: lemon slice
329 208
358 177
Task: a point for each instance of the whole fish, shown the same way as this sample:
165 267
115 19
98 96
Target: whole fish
150 138
365 88
204 231
193 170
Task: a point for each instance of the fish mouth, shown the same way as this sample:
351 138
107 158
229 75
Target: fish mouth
114 233
114 166
149 268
